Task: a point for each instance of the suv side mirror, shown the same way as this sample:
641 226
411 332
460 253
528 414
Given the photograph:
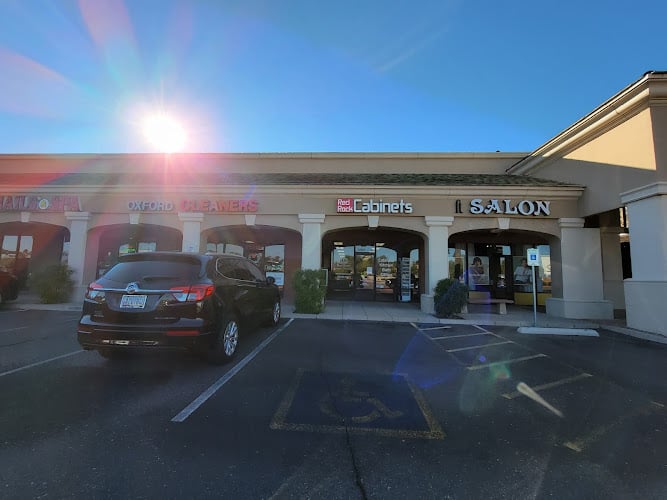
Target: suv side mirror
270 280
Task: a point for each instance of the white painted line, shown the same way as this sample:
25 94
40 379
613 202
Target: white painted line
563 381
533 330
444 327
14 329
459 336
479 346
488 331
529 392
506 362
40 363
204 396
483 329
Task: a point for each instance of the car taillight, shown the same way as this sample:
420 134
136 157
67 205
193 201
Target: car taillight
94 293
193 293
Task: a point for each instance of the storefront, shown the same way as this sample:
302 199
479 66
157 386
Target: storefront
385 226
32 233
375 265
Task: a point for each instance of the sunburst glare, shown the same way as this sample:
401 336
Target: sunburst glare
164 133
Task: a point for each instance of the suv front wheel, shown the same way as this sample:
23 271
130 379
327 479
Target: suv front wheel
224 345
274 317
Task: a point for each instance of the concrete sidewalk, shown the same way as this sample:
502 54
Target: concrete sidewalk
398 312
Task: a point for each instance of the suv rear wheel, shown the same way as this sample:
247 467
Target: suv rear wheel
224 345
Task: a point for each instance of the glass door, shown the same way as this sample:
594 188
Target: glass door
341 277
387 279
499 265
364 272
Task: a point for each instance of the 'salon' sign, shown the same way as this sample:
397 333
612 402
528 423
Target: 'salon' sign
523 207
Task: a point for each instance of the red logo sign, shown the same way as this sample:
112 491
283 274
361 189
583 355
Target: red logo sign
345 205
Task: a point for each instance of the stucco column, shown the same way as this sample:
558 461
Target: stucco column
579 291
311 240
437 262
645 292
191 230
612 266
78 235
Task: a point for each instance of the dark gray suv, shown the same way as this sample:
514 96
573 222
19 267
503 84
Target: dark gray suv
173 300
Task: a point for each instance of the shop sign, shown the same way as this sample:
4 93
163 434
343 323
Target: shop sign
38 203
198 205
207 205
150 206
523 207
357 205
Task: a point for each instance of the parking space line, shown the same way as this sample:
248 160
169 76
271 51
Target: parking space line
479 346
506 362
204 396
563 381
488 332
14 329
483 329
456 360
32 365
458 336
581 443
443 327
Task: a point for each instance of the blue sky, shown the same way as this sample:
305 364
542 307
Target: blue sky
77 76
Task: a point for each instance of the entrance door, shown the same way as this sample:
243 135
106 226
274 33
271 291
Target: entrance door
499 266
364 272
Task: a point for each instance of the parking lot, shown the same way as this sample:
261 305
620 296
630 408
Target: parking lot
334 409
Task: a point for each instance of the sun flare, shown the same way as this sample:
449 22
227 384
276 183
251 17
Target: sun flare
164 133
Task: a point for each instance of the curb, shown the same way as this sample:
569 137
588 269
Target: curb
584 332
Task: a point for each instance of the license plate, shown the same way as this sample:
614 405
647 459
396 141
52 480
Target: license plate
133 301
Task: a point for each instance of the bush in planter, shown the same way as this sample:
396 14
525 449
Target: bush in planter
449 298
309 289
53 284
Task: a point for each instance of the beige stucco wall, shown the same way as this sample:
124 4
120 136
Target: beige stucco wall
630 144
620 159
342 163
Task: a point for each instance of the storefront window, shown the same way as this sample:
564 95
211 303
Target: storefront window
342 268
232 249
478 271
215 247
126 248
274 263
147 246
457 262
545 268
9 249
523 274
64 259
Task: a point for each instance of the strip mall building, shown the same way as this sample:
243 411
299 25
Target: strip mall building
592 201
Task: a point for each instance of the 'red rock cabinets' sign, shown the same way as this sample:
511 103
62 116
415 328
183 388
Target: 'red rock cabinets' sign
39 203
357 205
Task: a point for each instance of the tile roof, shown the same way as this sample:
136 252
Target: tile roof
269 179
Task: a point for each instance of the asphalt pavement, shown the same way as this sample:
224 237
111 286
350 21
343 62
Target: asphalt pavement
319 408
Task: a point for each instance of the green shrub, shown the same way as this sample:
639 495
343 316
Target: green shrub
309 289
449 298
53 284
